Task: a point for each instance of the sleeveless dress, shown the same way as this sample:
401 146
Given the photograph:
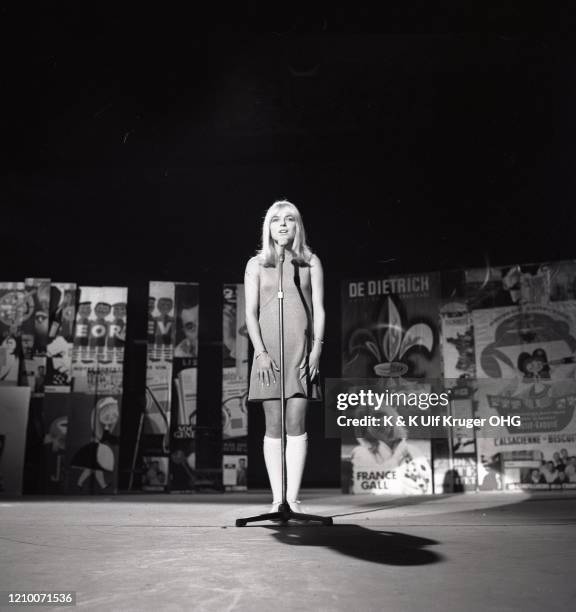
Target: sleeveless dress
298 329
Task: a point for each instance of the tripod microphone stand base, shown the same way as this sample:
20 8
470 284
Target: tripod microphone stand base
283 515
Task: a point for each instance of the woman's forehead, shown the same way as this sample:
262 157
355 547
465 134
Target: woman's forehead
283 209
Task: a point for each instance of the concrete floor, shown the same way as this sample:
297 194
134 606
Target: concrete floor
480 551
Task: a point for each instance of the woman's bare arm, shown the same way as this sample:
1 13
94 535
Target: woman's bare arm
264 364
318 315
251 292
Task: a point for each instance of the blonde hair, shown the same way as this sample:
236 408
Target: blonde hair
96 415
301 250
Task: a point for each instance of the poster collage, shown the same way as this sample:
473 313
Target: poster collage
62 350
504 340
61 370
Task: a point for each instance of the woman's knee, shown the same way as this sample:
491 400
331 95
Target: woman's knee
273 430
273 419
273 426
295 426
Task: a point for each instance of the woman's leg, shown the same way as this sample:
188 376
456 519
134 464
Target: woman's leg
296 445
273 447
99 474
85 473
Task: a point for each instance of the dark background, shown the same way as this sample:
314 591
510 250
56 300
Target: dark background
147 146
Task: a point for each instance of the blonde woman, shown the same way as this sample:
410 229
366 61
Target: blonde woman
303 286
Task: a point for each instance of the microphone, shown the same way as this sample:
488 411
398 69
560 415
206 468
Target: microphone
281 253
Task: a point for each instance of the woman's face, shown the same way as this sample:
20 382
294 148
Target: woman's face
109 414
283 226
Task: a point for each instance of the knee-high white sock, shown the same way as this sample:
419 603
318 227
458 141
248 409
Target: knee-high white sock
273 461
296 447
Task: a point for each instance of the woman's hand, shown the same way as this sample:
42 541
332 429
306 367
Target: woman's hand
314 363
265 367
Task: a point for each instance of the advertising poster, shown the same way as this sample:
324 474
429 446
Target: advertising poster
34 335
56 408
234 472
154 473
15 308
234 389
160 354
92 444
99 337
454 475
14 403
390 329
457 342
184 388
506 286
455 459
167 447
527 367
527 376
380 457
60 338
536 461
38 295
562 279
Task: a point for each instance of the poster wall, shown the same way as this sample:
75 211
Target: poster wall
390 330
234 389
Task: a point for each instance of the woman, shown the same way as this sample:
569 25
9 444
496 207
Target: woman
97 456
303 287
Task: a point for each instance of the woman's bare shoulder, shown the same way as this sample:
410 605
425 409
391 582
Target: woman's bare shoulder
253 265
315 260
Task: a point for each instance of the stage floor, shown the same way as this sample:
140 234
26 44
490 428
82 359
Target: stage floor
479 551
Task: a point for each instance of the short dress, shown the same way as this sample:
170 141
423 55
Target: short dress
298 329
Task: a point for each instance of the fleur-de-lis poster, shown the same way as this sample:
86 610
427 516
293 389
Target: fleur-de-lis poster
389 331
390 327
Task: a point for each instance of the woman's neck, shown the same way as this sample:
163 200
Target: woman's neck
287 249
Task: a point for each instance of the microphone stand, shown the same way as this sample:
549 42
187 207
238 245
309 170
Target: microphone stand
284 512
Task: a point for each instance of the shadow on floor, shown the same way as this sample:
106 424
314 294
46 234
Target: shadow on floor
381 503
386 547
